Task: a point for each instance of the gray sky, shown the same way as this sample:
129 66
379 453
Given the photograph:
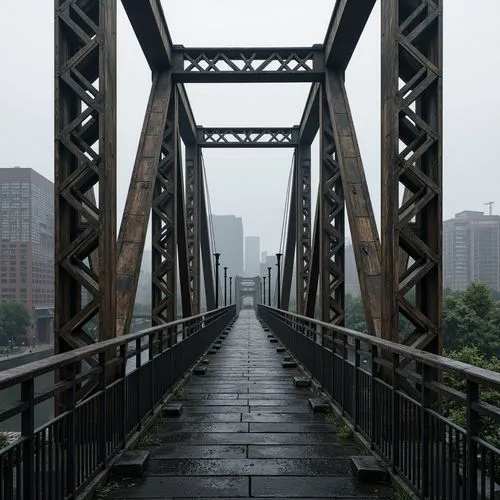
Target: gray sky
252 184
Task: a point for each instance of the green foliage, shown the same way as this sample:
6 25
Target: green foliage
346 433
355 315
472 318
490 430
15 320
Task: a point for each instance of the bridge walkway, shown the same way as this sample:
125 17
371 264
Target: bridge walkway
247 432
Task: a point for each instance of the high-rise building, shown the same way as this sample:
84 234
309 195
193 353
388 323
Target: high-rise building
471 250
26 237
228 234
351 272
252 255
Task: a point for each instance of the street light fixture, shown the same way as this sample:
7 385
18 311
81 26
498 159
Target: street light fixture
264 290
217 257
230 290
225 286
278 257
269 286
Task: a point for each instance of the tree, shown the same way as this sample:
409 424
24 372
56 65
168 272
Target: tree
15 320
472 318
489 428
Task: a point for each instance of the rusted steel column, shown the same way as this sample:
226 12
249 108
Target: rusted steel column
303 220
135 220
331 223
412 46
194 179
85 160
364 234
164 224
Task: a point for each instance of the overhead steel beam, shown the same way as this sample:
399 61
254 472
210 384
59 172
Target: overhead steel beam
331 223
241 137
364 233
291 237
85 159
164 223
412 116
148 22
232 65
302 189
187 123
309 124
346 26
135 221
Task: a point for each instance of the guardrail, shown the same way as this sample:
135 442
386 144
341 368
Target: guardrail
58 459
430 417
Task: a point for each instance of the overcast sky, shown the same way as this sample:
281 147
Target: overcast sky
252 183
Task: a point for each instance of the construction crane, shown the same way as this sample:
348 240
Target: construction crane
490 204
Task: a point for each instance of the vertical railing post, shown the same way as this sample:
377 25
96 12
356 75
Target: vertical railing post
373 357
124 393
152 360
344 361
71 451
28 434
138 353
102 410
357 363
473 429
425 405
396 416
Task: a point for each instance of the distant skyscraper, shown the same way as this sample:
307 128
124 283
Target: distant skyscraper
228 233
351 272
26 237
471 250
252 255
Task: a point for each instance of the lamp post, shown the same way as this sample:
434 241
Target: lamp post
230 290
225 286
264 290
217 257
269 286
278 257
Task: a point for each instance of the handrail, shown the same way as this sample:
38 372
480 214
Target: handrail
422 413
433 360
17 375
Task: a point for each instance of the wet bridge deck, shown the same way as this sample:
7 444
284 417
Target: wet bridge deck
247 432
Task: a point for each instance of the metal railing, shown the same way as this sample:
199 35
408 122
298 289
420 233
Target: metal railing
131 374
431 418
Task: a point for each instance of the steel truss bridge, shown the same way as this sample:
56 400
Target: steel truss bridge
396 403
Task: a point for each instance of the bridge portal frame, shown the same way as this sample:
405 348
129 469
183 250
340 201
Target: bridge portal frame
87 255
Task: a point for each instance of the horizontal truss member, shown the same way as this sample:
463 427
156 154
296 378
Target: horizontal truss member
204 65
248 137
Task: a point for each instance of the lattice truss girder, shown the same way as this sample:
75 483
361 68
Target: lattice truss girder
412 155
303 221
246 137
193 222
288 60
85 156
332 225
164 224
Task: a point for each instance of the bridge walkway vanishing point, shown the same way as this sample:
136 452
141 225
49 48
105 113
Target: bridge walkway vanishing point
246 431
